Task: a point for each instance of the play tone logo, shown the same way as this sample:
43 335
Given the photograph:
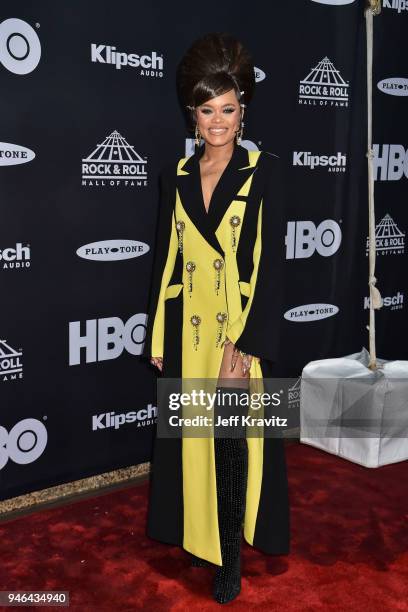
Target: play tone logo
310 312
13 155
259 75
112 250
331 163
324 86
396 86
148 65
114 163
20 47
392 302
11 366
396 5
389 239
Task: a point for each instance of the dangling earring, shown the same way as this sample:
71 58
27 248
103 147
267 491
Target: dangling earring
197 135
240 133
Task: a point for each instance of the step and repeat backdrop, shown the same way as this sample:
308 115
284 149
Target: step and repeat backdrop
89 115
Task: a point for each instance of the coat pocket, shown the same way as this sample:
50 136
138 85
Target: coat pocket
245 288
173 291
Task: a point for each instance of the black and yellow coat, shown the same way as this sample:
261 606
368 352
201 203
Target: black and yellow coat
218 274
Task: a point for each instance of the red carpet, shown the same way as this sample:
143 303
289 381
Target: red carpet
349 548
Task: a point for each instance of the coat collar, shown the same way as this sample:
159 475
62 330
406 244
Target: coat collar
234 176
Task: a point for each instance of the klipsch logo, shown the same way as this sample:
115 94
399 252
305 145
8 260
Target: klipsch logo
108 420
389 239
20 48
324 86
390 162
310 312
112 250
105 339
303 239
114 163
15 258
24 443
331 163
11 366
13 155
393 302
396 86
397 5
148 65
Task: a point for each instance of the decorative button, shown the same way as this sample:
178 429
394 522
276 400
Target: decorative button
190 267
195 321
221 318
180 226
218 265
234 222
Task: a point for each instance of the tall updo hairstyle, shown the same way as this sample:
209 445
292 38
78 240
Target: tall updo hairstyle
213 65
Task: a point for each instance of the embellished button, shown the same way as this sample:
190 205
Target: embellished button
195 321
190 267
180 226
234 222
221 319
218 265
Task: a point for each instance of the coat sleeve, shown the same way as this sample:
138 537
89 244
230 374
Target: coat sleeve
166 245
259 328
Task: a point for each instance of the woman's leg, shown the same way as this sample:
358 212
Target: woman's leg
231 458
229 380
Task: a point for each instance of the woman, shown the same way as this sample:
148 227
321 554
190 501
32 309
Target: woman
215 311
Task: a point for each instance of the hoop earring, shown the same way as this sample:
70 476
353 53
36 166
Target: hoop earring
240 133
197 135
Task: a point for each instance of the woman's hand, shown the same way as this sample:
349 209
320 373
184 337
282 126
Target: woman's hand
246 359
157 361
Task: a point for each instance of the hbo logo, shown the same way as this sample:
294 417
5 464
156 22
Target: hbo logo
106 338
25 442
390 162
303 238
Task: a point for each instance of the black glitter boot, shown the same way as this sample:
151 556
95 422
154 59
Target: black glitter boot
231 456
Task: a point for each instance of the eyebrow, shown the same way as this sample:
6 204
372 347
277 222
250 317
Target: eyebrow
227 104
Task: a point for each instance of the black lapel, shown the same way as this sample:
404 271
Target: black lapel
230 182
232 179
